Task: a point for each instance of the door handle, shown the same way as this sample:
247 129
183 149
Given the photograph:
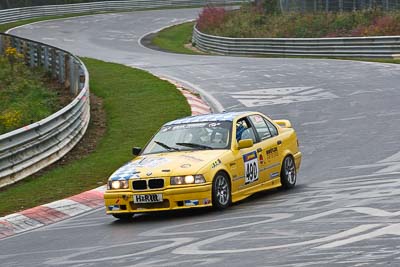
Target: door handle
279 142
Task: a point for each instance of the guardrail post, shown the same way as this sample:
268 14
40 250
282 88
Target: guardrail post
387 5
31 48
72 77
46 58
39 53
81 77
2 45
67 67
61 70
53 63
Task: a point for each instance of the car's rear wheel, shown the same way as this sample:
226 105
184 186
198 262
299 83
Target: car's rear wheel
123 216
288 173
221 191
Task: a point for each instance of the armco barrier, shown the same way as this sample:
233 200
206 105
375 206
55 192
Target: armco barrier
378 47
33 147
9 15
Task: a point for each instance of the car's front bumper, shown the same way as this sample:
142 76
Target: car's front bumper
118 202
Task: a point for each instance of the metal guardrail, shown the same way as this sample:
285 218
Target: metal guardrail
10 15
378 47
33 147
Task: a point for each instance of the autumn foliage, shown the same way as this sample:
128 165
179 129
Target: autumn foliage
251 22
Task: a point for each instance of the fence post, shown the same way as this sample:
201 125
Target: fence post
73 88
31 48
1 44
53 63
61 70
46 58
67 68
39 55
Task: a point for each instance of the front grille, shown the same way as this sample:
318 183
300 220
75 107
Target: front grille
148 184
139 185
156 183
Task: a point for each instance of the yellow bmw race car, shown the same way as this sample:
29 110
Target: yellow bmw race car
205 160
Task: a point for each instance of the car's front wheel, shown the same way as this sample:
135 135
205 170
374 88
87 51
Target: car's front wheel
221 191
288 173
123 216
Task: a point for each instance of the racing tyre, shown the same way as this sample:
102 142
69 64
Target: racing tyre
221 191
288 173
123 216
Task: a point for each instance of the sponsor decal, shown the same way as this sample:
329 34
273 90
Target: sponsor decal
274 175
261 159
113 207
151 162
206 201
189 126
214 124
185 166
251 167
191 202
272 152
192 158
125 172
216 163
257 118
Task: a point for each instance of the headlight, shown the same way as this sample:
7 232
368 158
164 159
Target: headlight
188 179
119 184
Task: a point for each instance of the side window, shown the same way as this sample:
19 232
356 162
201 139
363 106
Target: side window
244 131
272 128
261 126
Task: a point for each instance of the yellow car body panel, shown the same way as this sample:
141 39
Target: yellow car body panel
154 171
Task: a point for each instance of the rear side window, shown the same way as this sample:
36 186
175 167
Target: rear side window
272 128
261 127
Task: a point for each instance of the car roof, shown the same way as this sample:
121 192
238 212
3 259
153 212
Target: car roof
225 116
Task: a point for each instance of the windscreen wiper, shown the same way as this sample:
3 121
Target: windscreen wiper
166 146
193 145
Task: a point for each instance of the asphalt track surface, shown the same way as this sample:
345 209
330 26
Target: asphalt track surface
344 211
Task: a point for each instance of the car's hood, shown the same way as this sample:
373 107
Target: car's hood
167 164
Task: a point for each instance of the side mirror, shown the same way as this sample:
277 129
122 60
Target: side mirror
136 151
245 143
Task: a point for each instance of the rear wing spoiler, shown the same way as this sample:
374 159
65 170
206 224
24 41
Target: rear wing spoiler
283 123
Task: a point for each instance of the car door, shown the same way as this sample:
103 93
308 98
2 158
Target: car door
247 161
270 143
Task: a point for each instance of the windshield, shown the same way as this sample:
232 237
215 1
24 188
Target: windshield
191 136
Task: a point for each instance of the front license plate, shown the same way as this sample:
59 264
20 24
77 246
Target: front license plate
148 198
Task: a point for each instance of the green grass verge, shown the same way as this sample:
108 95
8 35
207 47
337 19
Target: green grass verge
25 94
173 39
136 104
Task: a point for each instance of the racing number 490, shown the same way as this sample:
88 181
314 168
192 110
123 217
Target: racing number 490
251 168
